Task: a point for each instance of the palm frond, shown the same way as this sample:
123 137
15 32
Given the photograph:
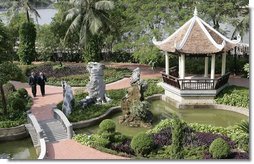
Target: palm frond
73 26
104 5
94 23
71 14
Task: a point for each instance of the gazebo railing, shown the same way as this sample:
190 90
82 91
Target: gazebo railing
196 84
222 80
171 80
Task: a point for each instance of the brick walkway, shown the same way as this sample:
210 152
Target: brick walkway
69 149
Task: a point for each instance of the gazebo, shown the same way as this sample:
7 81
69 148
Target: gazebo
199 39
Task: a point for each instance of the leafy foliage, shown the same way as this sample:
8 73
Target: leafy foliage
244 126
27 37
246 68
205 139
177 139
107 125
163 138
142 144
140 109
219 148
234 96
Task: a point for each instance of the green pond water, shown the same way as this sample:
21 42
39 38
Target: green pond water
162 110
19 149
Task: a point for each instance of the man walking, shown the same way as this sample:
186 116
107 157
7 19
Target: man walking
41 81
32 83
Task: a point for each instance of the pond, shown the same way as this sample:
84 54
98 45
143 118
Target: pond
162 110
19 149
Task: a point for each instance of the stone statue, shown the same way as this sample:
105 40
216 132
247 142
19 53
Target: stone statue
68 99
135 110
96 87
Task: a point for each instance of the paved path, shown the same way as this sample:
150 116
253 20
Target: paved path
69 149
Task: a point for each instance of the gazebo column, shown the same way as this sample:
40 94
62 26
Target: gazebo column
213 66
179 66
166 63
206 67
223 65
182 66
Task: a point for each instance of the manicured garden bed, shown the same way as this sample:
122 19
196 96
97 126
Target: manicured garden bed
80 114
234 96
160 142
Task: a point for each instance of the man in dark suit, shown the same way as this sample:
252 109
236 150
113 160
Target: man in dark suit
32 83
41 81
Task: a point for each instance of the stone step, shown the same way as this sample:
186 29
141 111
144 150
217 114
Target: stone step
53 130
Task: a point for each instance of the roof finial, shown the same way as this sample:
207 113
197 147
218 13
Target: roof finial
195 12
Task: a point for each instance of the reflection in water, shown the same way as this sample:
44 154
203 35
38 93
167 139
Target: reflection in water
162 110
20 149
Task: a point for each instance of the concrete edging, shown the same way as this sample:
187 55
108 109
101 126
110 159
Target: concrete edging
162 97
13 133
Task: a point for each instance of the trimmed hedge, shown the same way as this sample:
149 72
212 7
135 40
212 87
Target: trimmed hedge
107 125
142 144
219 148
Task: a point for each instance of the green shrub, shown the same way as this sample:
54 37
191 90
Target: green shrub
219 148
10 123
142 144
23 93
118 137
163 124
153 88
194 152
17 103
26 69
107 125
246 68
99 141
163 153
9 88
84 139
177 139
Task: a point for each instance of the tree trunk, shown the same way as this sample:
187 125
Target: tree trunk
3 99
27 16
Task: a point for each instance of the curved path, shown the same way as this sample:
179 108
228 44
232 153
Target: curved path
70 149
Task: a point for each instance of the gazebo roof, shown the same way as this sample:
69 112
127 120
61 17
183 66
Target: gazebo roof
196 37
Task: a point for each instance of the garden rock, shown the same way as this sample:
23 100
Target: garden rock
136 111
68 98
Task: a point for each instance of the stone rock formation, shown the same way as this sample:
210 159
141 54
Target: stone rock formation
135 110
68 98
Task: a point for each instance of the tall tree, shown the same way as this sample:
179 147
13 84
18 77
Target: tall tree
6 68
88 17
23 6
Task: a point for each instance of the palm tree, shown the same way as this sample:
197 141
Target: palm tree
89 17
25 6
